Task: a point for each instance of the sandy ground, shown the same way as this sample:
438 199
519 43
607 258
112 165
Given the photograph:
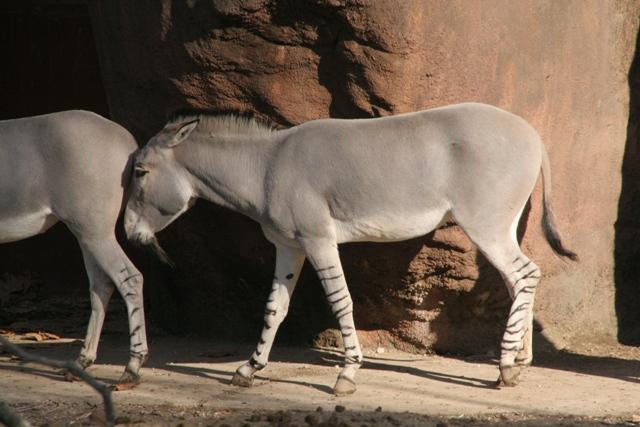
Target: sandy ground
187 381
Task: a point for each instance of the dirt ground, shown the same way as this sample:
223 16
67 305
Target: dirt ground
186 382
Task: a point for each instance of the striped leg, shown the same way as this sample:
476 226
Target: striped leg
524 280
521 276
288 265
100 290
516 342
110 258
324 257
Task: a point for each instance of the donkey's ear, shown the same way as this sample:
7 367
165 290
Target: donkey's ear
183 133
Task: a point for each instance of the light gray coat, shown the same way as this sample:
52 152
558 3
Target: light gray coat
73 167
330 181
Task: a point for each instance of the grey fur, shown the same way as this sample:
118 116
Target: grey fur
73 167
330 181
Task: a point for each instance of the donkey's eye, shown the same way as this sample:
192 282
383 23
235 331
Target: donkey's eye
139 172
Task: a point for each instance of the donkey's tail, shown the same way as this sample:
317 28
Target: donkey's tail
548 219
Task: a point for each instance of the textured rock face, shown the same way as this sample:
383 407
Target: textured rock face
561 65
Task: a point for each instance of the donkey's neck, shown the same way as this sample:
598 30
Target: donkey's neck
230 171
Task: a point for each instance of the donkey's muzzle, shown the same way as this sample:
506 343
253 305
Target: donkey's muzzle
150 242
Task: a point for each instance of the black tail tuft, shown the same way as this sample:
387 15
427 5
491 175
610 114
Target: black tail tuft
551 233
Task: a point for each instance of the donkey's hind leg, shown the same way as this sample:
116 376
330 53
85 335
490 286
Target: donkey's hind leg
521 276
323 255
100 290
112 261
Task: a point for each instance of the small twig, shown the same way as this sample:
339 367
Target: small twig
72 367
10 418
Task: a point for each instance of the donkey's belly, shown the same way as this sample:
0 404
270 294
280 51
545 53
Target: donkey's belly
20 227
390 227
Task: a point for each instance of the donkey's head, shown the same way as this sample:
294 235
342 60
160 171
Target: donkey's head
160 189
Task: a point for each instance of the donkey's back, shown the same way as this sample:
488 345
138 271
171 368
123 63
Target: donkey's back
397 177
70 166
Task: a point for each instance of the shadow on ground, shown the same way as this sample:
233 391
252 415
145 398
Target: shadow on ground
183 356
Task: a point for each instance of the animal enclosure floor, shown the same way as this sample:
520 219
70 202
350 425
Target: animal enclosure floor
187 380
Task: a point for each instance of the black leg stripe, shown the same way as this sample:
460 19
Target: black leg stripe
338 300
513 332
254 364
130 277
325 269
526 290
521 268
353 360
529 275
325 279
521 307
339 311
509 348
136 329
344 314
335 292
511 325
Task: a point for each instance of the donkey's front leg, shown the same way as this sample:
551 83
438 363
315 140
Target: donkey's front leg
288 265
323 255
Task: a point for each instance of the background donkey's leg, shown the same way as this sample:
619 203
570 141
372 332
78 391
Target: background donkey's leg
100 290
288 265
112 260
323 255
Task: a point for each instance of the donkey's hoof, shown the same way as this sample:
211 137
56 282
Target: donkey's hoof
241 381
127 381
344 386
509 376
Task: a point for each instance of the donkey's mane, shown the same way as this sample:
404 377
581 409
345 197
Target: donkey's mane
222 123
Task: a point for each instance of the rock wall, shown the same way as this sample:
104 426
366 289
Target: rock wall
561 65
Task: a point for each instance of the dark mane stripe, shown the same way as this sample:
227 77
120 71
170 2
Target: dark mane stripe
222 121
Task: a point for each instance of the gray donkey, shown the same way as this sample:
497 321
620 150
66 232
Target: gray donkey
330 181
73 167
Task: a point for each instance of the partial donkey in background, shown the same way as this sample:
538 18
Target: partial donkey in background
73 167
331 181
